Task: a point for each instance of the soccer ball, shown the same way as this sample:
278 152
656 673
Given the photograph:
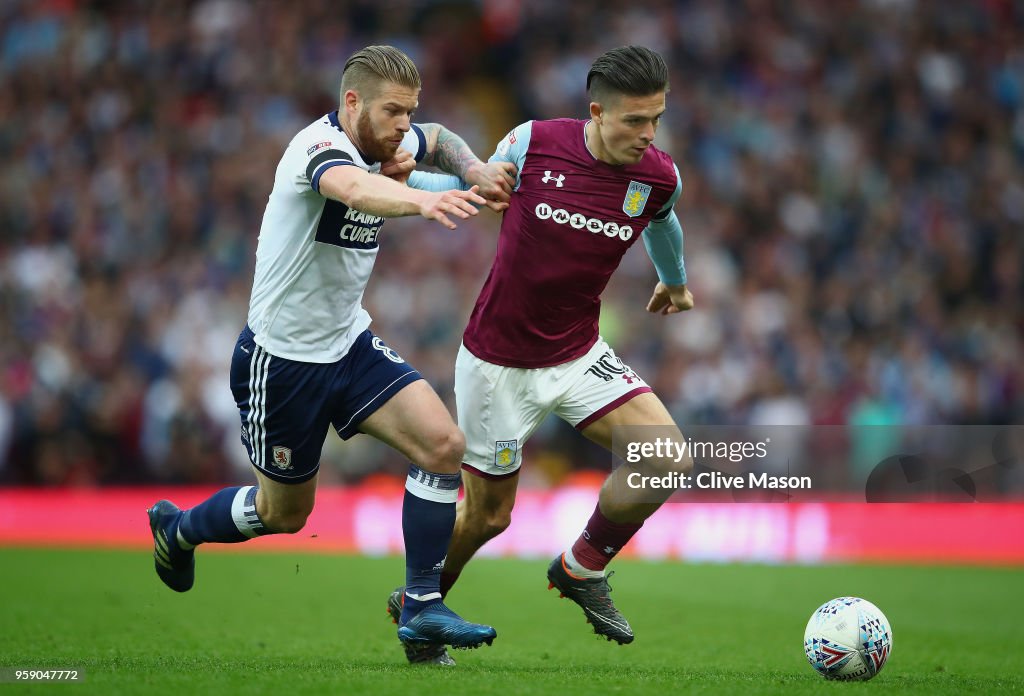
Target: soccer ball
848 638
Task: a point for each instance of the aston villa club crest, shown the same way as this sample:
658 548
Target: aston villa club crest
505 453
636 198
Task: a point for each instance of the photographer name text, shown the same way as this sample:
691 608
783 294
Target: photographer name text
713 480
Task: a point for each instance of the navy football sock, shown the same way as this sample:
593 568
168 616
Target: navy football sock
227 517
428 518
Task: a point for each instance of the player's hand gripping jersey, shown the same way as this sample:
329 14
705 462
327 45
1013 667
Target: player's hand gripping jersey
570 220
315 254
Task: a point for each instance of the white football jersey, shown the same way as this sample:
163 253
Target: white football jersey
315 254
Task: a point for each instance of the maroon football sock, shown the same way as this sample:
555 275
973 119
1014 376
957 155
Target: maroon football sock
601 540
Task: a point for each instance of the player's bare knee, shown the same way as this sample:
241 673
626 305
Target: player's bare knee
285 522
660 467
452 449
283 515
443 453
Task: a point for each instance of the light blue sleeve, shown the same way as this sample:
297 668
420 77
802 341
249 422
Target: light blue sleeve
663 239
513 147
431 181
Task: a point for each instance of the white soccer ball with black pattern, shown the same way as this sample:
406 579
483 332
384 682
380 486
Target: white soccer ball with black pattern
848 638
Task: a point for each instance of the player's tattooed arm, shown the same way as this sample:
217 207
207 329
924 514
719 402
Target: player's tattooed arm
446 150
450 153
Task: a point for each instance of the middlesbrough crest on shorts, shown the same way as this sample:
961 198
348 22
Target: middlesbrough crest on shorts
282 457
636 198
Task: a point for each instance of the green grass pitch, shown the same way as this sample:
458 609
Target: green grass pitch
316 624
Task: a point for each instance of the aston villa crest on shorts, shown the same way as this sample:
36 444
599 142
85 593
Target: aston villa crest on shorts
505 452
636 198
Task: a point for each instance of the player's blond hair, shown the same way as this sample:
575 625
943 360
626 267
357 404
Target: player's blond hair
366 70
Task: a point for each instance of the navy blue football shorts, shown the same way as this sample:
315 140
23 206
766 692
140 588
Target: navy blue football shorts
286 406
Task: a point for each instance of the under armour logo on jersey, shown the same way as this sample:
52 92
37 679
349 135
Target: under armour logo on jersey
557 179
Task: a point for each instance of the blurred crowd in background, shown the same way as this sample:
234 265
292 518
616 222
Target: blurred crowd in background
853 201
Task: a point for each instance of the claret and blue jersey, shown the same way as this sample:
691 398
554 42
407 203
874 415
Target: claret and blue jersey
571 219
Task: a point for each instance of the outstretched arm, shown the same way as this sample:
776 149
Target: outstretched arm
379 195
450 153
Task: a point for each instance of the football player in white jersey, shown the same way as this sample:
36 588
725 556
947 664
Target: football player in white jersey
307 361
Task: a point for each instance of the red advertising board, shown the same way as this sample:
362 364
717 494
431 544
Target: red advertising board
366 519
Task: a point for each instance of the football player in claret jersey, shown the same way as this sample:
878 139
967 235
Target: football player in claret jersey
306 361
586 191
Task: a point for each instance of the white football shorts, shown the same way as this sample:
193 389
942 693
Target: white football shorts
500 407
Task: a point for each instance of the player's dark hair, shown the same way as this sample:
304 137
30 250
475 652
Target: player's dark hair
367 69
634 71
